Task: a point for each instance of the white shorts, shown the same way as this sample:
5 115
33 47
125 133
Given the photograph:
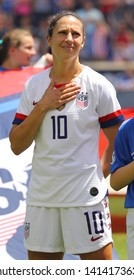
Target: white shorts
70 230
130 233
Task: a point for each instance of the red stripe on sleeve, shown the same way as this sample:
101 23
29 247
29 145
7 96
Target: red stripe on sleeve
20 116
111 116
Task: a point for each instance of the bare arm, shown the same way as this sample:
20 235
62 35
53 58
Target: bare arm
122 176
21 136
110 134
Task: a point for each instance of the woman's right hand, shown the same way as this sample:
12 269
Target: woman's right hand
56 97
22 135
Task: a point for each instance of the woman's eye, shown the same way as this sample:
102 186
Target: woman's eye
62 32
76 33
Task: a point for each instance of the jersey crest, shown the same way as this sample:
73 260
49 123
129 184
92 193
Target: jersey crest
82 100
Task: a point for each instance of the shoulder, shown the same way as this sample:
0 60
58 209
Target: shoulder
125 130
95 77
127 124
93 73
38 78
101 88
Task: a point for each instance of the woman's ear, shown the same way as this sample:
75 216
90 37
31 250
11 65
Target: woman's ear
83 42
49 41
12 50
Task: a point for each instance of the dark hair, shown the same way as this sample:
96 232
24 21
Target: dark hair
12 38
53 20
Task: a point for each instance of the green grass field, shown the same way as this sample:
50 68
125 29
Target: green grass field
120 245
117 205
117 210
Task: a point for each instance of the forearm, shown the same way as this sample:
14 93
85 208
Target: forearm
22 136
106 161
110 134
122 176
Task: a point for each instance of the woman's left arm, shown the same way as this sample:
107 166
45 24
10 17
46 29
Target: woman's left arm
110 133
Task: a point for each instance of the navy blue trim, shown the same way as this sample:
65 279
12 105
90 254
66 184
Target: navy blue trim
112 122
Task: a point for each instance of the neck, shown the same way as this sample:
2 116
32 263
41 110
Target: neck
65 73
9 64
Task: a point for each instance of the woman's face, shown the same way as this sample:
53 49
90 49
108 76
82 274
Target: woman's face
67 38
24 53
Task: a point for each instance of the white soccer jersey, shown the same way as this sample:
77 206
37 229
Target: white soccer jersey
66 168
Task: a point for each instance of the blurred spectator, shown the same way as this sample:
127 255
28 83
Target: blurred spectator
25 23
6 22
123 43
104 24
9 22
94 25
21 8
41 10
101 45
89 12
60 5
107 6
41 37
120 41
130 48
119 13
6 5
16 49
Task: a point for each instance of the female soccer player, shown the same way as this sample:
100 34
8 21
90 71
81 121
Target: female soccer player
63 109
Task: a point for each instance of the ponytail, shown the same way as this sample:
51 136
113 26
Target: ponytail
4 47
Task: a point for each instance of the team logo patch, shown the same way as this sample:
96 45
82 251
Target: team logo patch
82 100
26 230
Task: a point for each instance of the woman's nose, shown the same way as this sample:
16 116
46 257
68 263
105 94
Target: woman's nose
33 51
69 37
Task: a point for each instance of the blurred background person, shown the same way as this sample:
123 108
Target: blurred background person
97 32
17 49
